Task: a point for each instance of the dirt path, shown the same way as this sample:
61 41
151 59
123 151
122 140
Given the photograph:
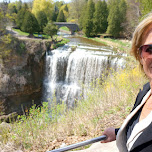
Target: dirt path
16 34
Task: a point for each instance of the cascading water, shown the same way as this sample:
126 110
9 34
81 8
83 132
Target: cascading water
67 70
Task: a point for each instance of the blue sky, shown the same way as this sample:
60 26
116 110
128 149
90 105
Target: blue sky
66 1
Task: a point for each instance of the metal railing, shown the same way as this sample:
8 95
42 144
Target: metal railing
80 144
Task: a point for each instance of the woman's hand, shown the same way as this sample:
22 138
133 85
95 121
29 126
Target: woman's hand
110 133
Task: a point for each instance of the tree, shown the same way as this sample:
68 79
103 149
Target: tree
132 18
42 20
12 13
18 5
123 11
3 17
43 5
145 6
114 21
30 24
20 16
55 13
82 16
116 17
88 22
1 22
66 8
100 17
75 10
57 5
61 17
54 16
50 29
12 8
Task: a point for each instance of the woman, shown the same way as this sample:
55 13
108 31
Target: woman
135 134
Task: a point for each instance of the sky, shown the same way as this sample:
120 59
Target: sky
66 1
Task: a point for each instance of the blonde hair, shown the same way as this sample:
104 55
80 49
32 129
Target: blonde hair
139 34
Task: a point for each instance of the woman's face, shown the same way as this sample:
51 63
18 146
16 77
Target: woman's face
146 60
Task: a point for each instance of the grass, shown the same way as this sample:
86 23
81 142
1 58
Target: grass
35 34
20 32
64 28
64 41
107 104
60 41
26 34
119 45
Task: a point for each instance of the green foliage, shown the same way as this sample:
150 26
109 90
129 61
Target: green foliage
61 17
82 16
20 32
66 8
5 45
42 20
50 29
18 5
21 50
100 17
12 8
20 17
56 109
35 120
76 9
54 15
61 43
114 21
11 47
117 15
1 21
33 126
88 22
43 5
1 15
57 6
123 11
64 28
145 6
30 23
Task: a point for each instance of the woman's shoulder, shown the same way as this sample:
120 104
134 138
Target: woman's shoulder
141 94
146 86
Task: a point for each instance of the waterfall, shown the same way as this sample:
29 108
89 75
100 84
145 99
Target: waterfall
67 70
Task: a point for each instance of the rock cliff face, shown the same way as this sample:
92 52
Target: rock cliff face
21 76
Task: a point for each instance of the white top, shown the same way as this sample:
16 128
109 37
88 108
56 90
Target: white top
139 127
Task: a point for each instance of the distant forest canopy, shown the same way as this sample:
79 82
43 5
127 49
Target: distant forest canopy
117 18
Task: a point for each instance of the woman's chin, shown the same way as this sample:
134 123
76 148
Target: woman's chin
150 76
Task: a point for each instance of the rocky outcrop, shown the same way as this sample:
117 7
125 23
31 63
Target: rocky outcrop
21 75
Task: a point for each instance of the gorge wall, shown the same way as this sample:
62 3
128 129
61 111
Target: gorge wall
21 75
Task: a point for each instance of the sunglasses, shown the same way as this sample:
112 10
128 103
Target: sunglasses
145 50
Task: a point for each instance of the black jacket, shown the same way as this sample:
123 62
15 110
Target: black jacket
144 141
